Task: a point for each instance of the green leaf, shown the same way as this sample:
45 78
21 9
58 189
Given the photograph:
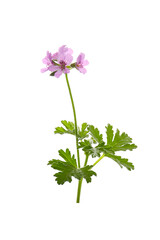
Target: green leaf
65 168
83 133
70 129
67 171
119 142
87 173
60 130
109 133
121 161
95 133
104 148
89 149
66 155
125 147
84 126
69 125
121 139
85 145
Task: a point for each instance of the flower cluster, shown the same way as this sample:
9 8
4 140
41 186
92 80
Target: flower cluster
61 62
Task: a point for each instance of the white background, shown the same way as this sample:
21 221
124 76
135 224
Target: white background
121 40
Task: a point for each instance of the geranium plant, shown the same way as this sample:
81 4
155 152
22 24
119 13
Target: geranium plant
88 138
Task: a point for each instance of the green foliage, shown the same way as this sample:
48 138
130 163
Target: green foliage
109 133
65 170
115 142
83 132
87 147
121 161
118 142
87 173
70 129
66 155
91 142
68 168
94 132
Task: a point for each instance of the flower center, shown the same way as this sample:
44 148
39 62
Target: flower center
63 65
80 65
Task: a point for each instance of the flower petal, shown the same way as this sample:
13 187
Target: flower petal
61 57
44 70
80 58
68 59
63 49
85 62
53 68
55 56
49 55
45 61
70 51
66 70
58 74
82 70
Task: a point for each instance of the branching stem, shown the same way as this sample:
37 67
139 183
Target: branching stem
98 160
76 133
80 182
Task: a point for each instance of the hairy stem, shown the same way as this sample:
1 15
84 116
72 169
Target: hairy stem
99 159
76 132
80 182
79 190
75 119
85 164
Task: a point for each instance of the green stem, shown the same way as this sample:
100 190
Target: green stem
80 182
98 160
76 133
79 190
75 119
85 164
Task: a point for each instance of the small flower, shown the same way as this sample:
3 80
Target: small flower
64 59
81 62
48 61
58 62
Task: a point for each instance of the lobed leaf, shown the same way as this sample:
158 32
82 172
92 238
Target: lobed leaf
123 162
110 133
70 129
88 149
118 142
87 173
65 168
69 125
60 130
83 133
67 171
66 155
95 133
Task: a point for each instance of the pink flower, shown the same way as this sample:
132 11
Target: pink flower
81 62
58 62
48 61
64 59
